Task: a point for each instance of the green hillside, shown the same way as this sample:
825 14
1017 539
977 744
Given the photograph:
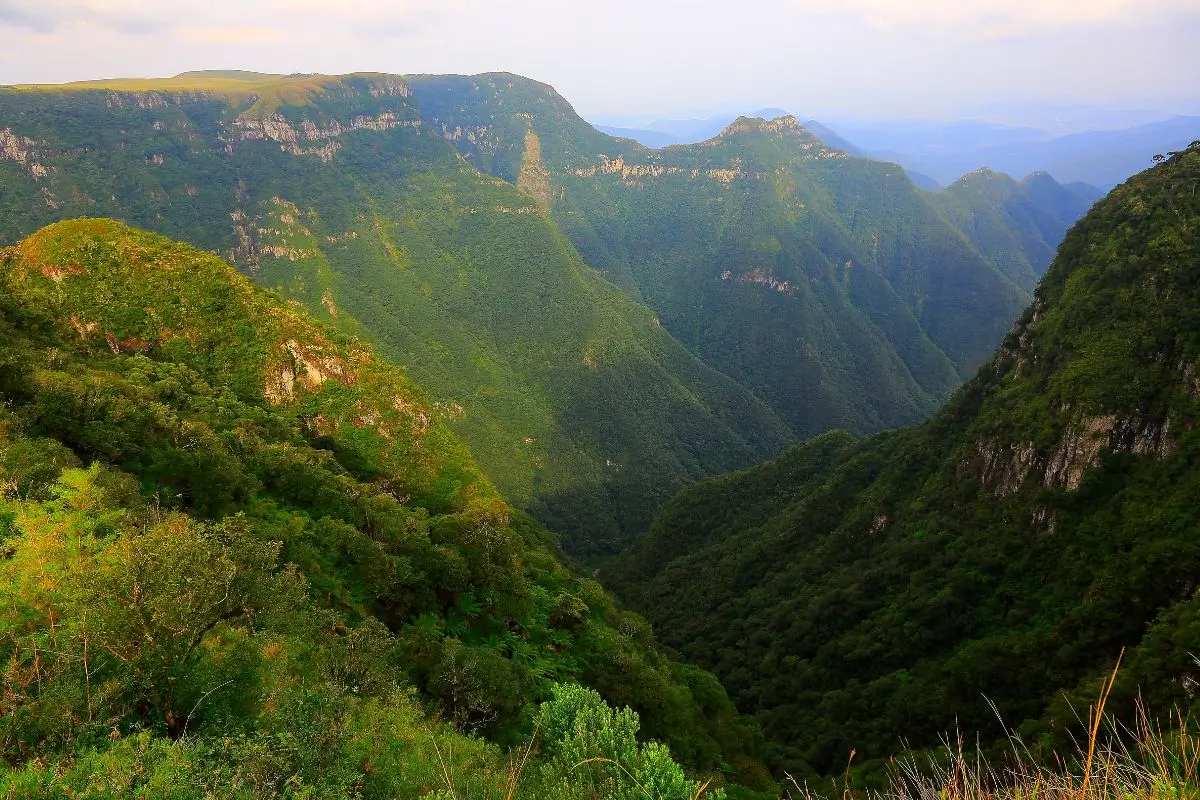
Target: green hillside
576 402
829 285
990 564
1018 223
244 557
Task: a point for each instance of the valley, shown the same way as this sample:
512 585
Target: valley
404 435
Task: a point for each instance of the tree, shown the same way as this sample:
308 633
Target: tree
592 750
107 610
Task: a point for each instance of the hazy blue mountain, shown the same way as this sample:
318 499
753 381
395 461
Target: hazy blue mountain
649 138
923 181
831 137
1102 158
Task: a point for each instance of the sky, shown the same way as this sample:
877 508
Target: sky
861 59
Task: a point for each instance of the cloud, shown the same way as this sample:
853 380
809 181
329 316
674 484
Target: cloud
995 19
229 35
17 14
137 17
880 56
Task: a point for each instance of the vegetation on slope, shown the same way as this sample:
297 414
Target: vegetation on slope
1018 223
829 285
244 557
870 594
574 399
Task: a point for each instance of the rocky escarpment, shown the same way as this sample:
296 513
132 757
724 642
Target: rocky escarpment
1004 468
308 138
700 160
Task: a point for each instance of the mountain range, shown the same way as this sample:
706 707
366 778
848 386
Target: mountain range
318 392
935 154
780 261
600 322
1101 158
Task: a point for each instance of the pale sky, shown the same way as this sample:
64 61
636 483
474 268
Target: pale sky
863 58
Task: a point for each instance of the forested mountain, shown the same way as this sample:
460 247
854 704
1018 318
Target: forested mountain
829 285
576 402
773 287
242 556
867 594
1018 223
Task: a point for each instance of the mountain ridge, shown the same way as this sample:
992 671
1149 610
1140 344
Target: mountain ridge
278 540
618 182
440 215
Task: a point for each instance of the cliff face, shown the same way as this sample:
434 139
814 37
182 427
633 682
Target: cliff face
856 593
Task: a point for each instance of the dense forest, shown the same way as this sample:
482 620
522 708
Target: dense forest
829 285
981 572
226 525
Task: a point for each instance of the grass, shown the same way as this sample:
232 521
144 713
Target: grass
1116 762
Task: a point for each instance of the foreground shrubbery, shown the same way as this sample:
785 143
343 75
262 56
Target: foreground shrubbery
325 744
146 654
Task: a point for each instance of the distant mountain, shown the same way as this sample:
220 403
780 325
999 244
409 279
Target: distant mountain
981 572
831 138
1099 158
664 132
923 181
933 138
828 285
1018 223
646 137
334 192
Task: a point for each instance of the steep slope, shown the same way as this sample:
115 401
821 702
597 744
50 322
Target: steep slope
331 190
868 593
1019 224
827 284
250 515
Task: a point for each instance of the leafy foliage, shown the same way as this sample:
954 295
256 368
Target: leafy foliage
595 749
